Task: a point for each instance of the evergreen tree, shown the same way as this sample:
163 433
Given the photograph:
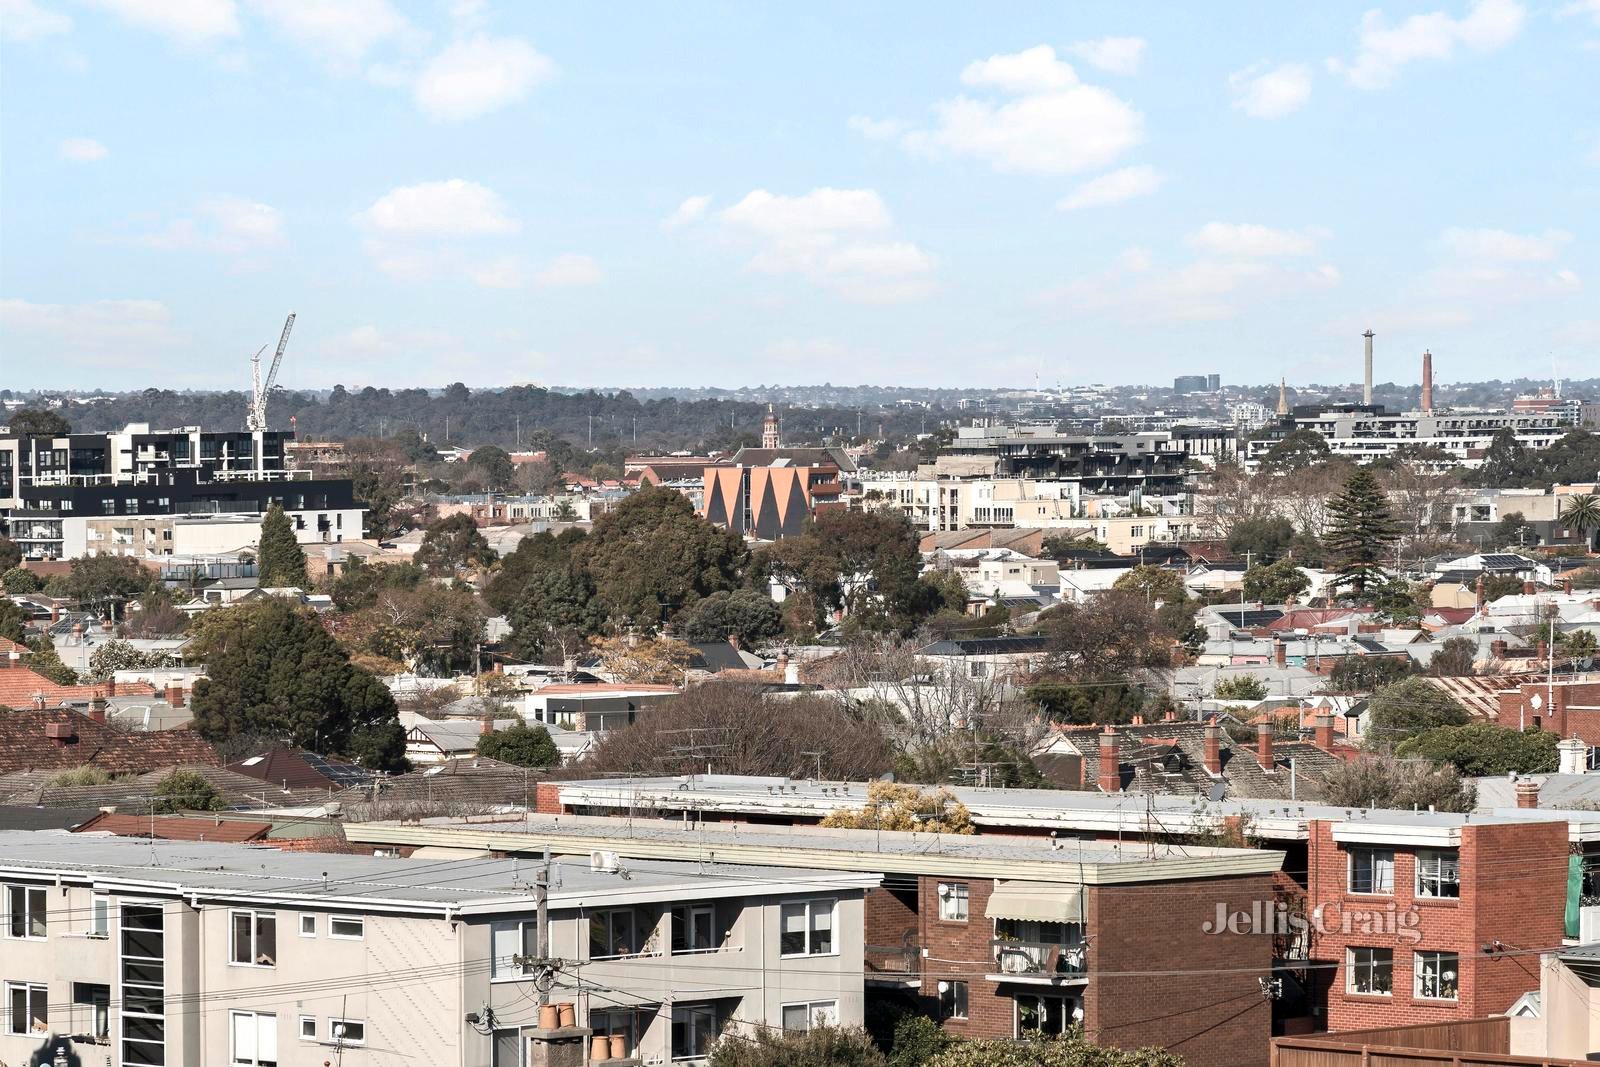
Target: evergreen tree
1361 525
280 559
522 745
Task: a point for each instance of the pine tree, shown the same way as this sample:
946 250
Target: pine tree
280 559
1360 527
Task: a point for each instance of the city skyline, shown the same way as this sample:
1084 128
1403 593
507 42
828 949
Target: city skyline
492 195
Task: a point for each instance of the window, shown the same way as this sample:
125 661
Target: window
255 1039
1044 1015
507 1049
624 1022
953 898
1372 871
308 926
347 928
143 942
1437 975
91 1010
25 904
952 1000
694 928
100 918
798 1018
346 1032
1439 874
1371 971
308 1028
513 946
807 928
694 1027
255 939
612 933
27 1008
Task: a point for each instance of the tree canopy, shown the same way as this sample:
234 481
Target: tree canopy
1380 780
520 744
1275 583
280 560
186 791
1409 707
747 614
1483 749
900 806
1360 528
454 544
100 582
35 421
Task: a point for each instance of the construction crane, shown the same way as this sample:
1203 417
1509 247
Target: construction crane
256 417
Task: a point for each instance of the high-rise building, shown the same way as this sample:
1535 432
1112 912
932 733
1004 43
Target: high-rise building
1213 382
1189 383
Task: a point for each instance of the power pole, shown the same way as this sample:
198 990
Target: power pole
541 900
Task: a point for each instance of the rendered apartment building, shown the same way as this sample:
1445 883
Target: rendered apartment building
185 954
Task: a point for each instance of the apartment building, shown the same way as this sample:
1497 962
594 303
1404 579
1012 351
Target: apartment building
1152 464
1362 433
937 502
994 937
183 954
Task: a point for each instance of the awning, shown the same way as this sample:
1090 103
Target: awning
1048 902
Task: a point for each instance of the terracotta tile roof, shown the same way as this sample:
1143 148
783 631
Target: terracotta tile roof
21 686
176 828
26 744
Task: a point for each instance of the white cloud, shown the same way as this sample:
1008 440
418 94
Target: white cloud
190 22
1580 8
24 20
1114 55
504 272
1053 124
570 269
478 75
1205 289
877 129
1503 246
1271 93
229 224
1113 188
453 208
83 150
1246 240
1566 281
693 209
104 333
819 211
1384 49
341 31
1134 259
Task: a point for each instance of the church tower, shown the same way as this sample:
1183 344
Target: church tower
769 430
1283 396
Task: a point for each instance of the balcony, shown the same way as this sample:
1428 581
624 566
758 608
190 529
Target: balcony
1048 962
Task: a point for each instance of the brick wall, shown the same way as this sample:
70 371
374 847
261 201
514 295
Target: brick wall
1567 708
547 798
1513 889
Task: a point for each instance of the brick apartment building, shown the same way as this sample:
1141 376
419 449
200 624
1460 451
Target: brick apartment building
1570 708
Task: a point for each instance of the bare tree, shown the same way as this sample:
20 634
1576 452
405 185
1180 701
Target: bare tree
1234 495
1423 501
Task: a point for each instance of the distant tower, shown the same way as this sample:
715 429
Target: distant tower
769 430
1366 392
1283 396
1427 382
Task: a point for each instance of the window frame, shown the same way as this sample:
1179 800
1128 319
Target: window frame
696 1010
360 922
100 917
960 892
1067 1003
1371 968
1446 873
99 1011
608 917
308 918
300 1023
334 1022
810 908
23 919
959 996
687 913
812 1007
255 1017
1371 853
29 991
1439 958
256 915
527 944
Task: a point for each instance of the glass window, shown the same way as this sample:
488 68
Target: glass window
100 918
694 928
26 908
694 1027
308 926
346 927
1371 971
1439 873
143 984
806 928
507 1051
612 933
514 946
798 1018
953 898
952 1000
1044 1015
625 1022
1438 975
91 1009
254 940
27 1008
347 1031
1372 871
255 1039
308 1028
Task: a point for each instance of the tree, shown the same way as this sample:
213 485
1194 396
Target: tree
39 423
273 669
1300 449
1071 1049
1154 584
13 622
651 660
1098 702
1240 687
1456 658
818 1046
736 729
556 613
1582 515
360 584
113 656
896 806
454 544
46 661
653 556
280 561
434 628
1380 780
1063 547
1514 531
1265 538
1106 638
1275 583
748 614
520 744
18 580
1576 644
104 582
532 557
1361 528
1484 749
186 791
1423 499
10 554
1506 463
1408 707
494 465
1363 674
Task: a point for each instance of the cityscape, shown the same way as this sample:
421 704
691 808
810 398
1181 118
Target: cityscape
1060 536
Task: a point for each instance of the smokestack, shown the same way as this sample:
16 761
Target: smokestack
1427 382
1366 392
1110 771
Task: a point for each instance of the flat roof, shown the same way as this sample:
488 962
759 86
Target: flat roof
465 886
978 855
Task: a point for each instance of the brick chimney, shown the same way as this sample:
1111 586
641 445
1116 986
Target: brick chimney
175 693
1110 770
1528 588
1566 585
1280 652
1324 731
1541 650
1527 793
1498 649
97 708
55 614
111 687
1264 746
733 639
60 732
1213 748
486 727
1482 595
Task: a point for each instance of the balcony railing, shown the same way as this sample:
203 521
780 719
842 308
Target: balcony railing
1037 959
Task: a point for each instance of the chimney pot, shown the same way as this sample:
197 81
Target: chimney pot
1527 793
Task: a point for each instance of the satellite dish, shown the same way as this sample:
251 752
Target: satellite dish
1218 789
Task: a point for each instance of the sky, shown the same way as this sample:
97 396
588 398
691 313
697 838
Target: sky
709 194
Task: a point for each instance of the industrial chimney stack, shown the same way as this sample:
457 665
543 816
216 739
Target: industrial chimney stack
1427 382
1366 391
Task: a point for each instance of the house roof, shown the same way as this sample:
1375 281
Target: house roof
175 827
1477 693
25 744
21 687
454 735
31 817
717 656
299 769
794 457
987 646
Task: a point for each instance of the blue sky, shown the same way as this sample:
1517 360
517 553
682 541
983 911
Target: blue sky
729 194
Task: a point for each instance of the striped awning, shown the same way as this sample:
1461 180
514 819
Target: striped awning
1049 902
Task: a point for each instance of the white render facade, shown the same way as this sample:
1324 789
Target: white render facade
128 952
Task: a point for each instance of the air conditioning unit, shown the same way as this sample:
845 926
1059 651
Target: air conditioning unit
604 862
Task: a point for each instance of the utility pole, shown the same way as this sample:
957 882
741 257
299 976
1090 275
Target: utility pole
541 901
